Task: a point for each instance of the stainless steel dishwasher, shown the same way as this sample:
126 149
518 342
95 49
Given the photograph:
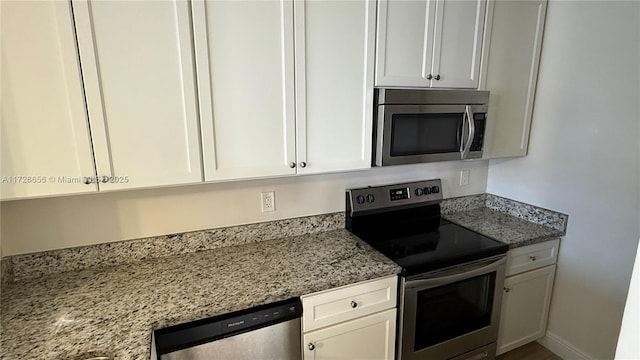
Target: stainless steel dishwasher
265 332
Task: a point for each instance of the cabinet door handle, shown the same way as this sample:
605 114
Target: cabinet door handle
303 164
437 77
532 258
507 289
311 346
292 164
429 77
354 304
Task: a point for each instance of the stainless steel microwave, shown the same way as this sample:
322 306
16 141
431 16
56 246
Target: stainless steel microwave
416 126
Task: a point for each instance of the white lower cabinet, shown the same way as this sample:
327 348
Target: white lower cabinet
351 322
525 306
369 337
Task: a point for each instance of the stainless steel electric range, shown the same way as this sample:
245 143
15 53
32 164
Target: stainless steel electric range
452 277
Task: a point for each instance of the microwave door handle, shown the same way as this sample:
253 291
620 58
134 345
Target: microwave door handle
468 114
461 134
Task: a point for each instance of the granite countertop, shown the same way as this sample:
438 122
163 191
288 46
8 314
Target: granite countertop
503 227
105 300
112 311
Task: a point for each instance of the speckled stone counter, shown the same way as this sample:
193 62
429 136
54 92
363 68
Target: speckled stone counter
113 310
511 222
503 227
28 266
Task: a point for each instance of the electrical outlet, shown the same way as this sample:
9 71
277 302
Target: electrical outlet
464 177
268 201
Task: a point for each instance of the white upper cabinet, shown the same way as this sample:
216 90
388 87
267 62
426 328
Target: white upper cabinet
158 93
429 43
514 34
45 143
257 121
334 50
139 82
458 43
244 57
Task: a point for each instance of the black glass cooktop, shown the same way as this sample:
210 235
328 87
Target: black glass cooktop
448 245
420 241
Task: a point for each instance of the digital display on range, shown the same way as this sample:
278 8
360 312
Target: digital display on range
399 194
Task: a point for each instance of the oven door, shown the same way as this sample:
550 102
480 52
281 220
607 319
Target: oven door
407 134
451 312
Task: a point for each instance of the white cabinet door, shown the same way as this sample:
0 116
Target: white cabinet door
139 81
244 57
371 337
44 129
512 59
335 43
405 42
525 308
429 43
458 43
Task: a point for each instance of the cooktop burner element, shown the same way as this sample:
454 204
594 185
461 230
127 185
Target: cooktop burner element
403 222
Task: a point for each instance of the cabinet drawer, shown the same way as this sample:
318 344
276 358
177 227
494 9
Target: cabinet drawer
532 257
349 302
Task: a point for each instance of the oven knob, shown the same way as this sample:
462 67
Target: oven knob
418 192
426 191
360 199
435 189
370 198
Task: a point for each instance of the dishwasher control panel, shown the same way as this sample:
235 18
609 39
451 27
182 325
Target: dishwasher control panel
260 317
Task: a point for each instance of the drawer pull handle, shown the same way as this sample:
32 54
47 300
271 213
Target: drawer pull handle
311 346
533 258
354 304
507 289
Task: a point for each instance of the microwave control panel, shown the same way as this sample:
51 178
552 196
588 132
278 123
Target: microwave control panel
479 120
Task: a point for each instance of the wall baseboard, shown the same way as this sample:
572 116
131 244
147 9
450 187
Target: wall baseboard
563 348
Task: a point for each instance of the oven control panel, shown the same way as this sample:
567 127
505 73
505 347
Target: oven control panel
385 196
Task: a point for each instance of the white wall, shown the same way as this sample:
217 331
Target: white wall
628 347
43 224
584 160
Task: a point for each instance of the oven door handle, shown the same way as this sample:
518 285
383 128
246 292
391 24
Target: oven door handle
457 274
468 115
